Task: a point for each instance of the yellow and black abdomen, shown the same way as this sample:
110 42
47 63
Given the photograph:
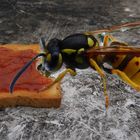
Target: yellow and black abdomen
132 70
129 64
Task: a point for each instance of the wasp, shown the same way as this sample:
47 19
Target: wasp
92 49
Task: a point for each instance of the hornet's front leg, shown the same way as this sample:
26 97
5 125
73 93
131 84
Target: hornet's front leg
94 65
60 77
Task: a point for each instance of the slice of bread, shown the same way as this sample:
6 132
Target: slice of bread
12 58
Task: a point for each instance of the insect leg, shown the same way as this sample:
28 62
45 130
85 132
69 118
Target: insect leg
107 39
60 77
124 77
93 64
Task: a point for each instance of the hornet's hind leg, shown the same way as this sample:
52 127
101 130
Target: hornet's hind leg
94 65
125 78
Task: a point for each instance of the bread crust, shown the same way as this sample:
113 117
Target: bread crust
44 99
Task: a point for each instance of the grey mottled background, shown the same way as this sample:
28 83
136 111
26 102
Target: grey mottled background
82 114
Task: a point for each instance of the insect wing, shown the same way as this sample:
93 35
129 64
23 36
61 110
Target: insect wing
117 50
129 67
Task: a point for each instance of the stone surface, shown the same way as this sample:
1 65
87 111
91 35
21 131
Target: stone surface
82 115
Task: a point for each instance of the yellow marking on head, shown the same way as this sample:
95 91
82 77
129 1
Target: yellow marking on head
49 57
68 51
81 50
59 63
90 42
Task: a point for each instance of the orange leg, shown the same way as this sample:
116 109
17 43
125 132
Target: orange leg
100 71
107 39
125 78
59 78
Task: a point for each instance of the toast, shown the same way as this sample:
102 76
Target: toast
12 58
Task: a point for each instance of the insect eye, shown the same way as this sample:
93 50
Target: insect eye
90 42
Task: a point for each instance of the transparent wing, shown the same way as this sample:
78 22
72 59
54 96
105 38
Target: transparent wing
117 50
128 71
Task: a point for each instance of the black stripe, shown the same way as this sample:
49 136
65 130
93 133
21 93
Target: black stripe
125 62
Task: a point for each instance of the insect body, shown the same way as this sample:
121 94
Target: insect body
83 51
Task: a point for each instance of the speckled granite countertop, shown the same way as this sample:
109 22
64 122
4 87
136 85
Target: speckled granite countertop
82 114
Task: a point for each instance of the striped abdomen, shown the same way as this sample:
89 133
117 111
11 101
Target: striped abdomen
129 64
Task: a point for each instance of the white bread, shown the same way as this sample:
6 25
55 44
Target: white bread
44 99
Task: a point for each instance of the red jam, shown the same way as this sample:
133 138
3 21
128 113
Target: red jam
11 62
